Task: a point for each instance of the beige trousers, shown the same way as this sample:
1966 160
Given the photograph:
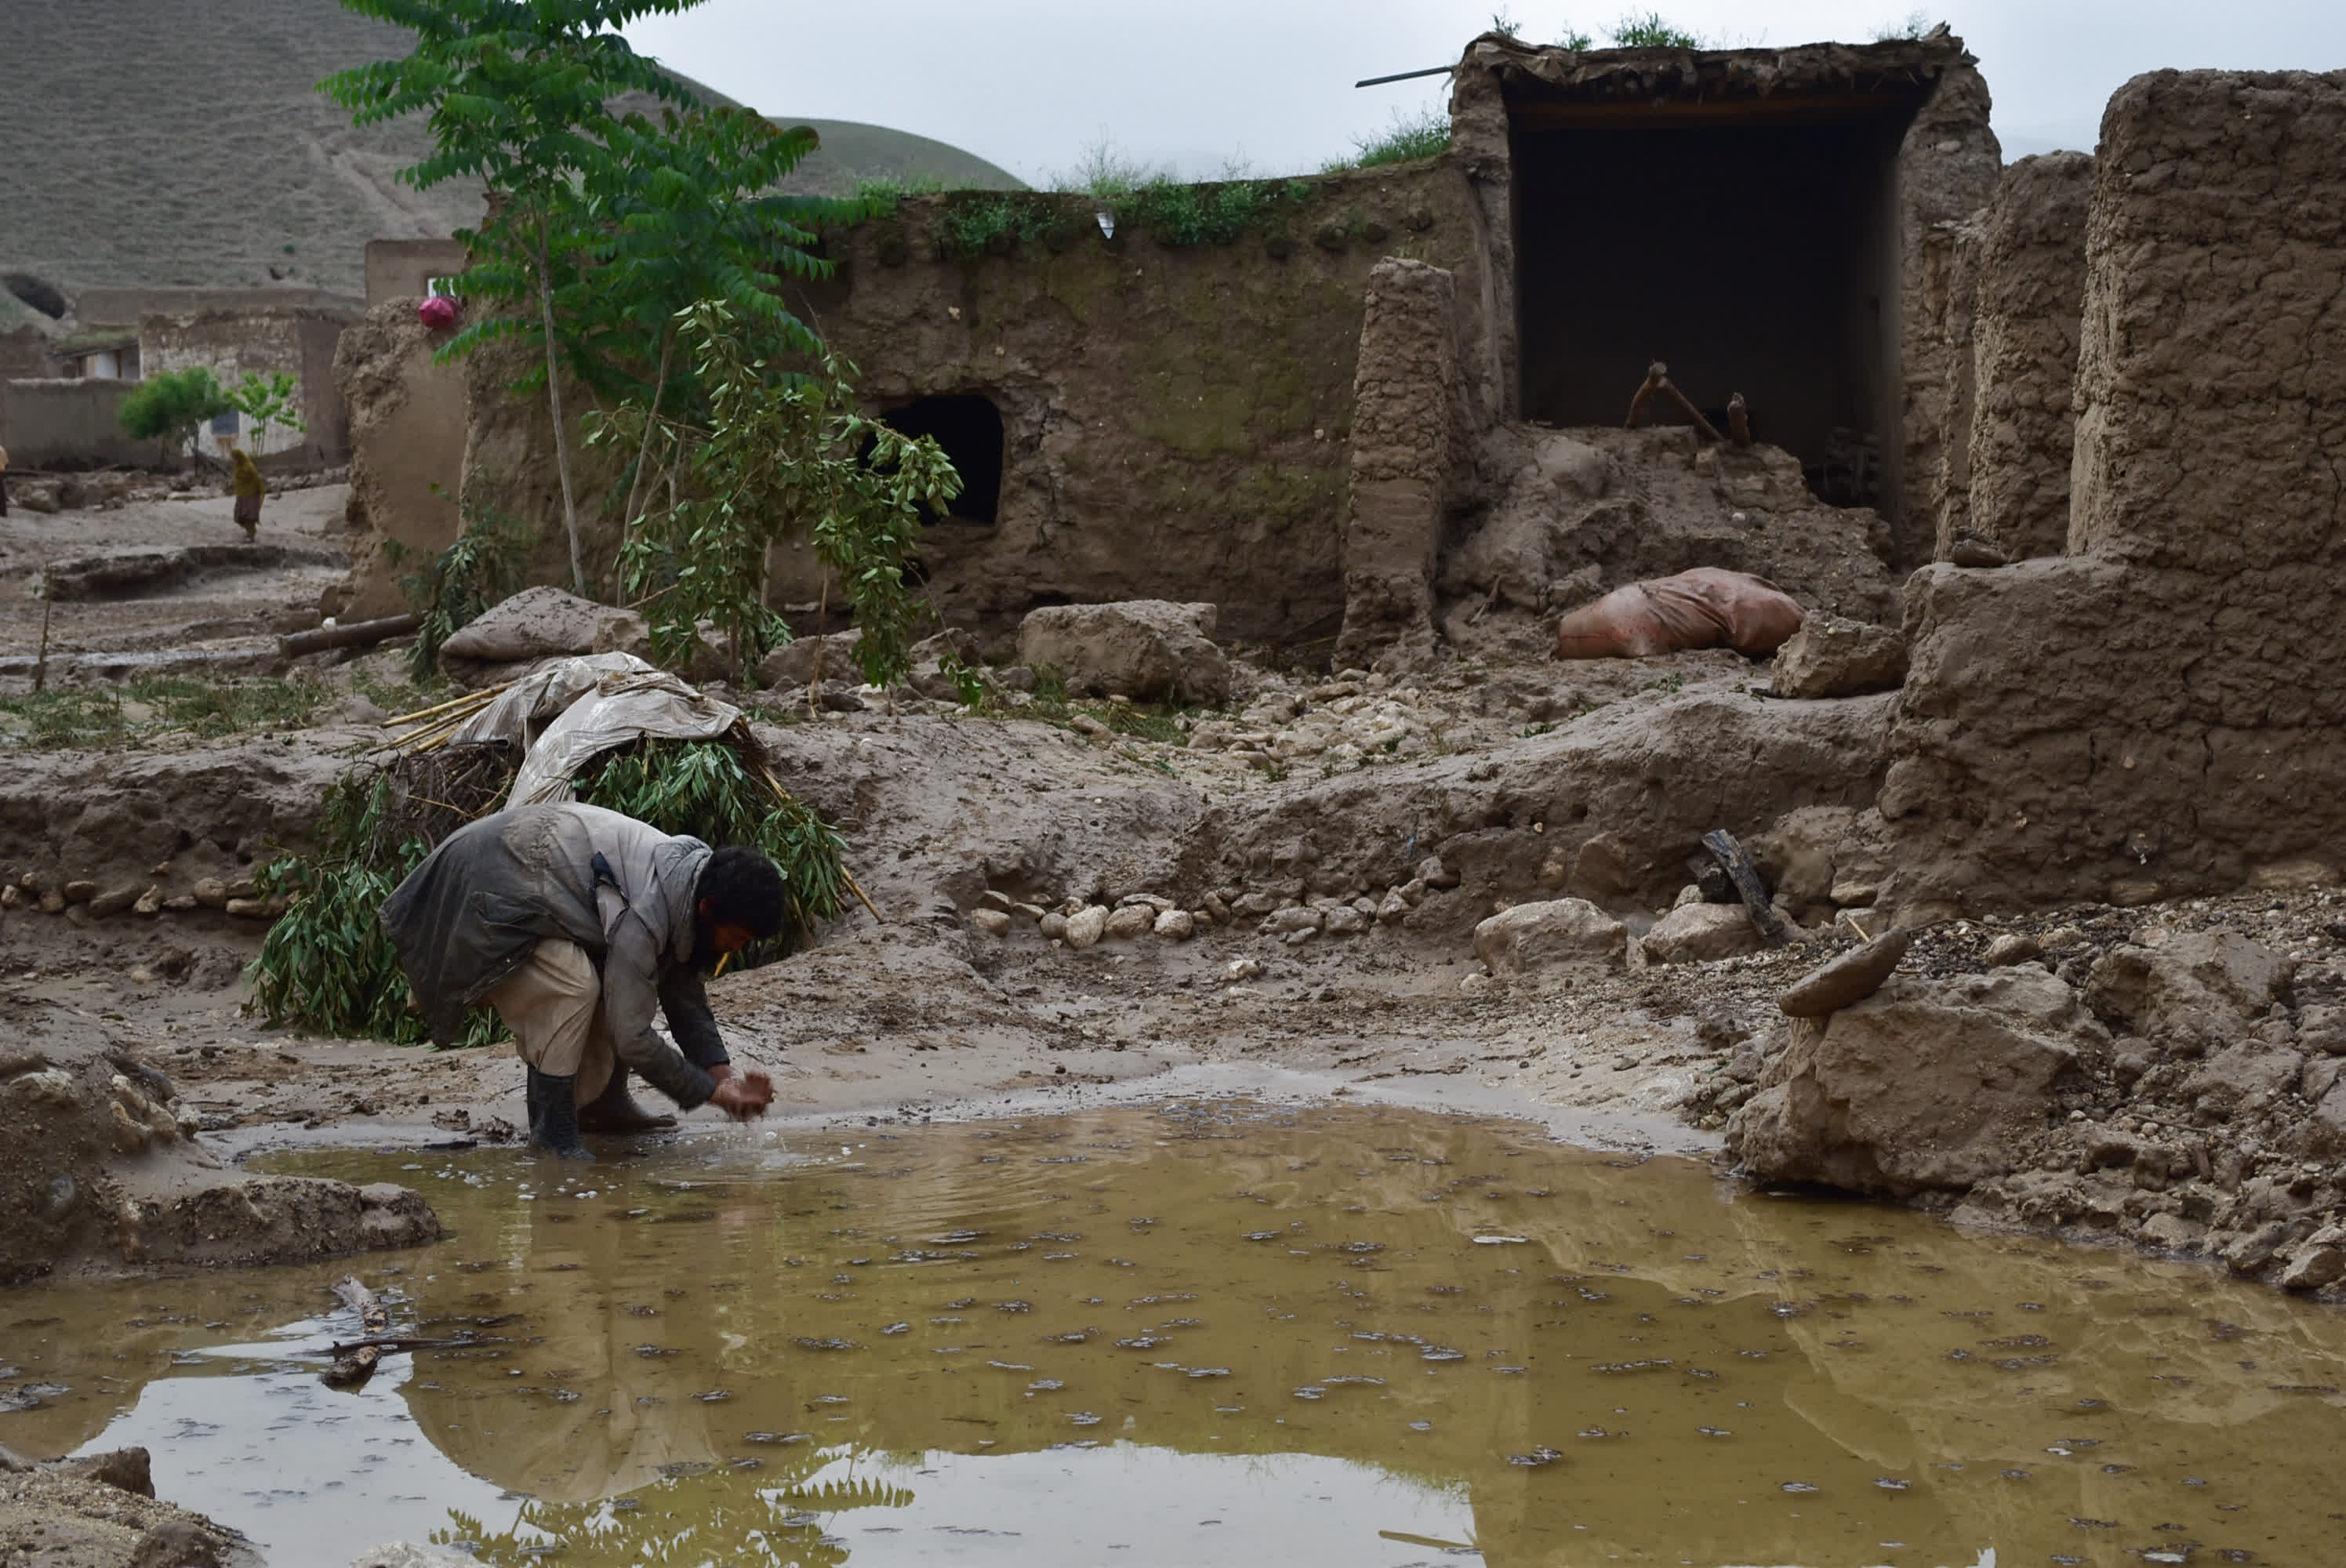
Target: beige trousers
554 1006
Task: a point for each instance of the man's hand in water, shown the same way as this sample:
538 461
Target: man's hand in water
741 1095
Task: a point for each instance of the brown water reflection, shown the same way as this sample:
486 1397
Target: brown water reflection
1372 1336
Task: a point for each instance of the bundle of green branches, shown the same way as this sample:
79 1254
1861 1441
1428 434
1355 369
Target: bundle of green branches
327 964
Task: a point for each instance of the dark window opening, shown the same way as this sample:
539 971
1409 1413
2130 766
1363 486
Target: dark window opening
1750 255
969 427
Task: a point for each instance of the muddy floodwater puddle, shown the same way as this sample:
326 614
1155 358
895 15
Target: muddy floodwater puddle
1199 1334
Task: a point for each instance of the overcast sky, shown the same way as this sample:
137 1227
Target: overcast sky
1208 84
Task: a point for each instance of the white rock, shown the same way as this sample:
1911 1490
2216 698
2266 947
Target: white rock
1239 969
1176 925
1392 909
1286 922
1344 921
1700 932
1084 928
993 922
1561 934
1130 921
1055 926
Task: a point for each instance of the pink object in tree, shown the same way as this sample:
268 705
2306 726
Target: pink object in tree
438 312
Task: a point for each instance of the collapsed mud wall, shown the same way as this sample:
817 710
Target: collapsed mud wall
407 419
2159 710
1607 809
2025 332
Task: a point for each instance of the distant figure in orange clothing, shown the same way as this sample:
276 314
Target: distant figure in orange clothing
249 489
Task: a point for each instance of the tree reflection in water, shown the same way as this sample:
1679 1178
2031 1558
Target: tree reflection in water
747 1516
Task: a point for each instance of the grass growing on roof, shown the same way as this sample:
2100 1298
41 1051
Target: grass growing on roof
1424 136
327 965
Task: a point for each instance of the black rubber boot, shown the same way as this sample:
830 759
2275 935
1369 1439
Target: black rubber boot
613 1111
554 1116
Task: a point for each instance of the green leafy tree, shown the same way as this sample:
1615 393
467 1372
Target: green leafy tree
782 457
516 93
172 407
264 402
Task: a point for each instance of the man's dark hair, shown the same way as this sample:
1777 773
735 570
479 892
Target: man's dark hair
743 888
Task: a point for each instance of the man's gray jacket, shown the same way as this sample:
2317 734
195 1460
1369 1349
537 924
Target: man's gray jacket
468 917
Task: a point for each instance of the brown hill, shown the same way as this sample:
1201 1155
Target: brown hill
160 142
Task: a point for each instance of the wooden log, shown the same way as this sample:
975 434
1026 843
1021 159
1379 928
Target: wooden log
351 1370
1685 405
1739 871
357 635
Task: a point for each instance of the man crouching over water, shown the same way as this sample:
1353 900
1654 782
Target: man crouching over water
571 921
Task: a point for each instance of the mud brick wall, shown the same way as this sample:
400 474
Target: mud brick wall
2162 710
1956 324
2025 332
407 419
1176 417
1407 436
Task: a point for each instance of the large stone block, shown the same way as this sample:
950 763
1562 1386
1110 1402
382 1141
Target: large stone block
1147 649
1927 1084
1560 933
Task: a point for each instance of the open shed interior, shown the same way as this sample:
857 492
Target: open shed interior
1750 246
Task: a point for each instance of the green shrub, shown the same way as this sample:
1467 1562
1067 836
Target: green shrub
1424 136
1650 31
171 406
1217 214
879 197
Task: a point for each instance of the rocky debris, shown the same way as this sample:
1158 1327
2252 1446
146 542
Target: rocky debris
1850 978
537 623
1607 809
110 1171
1924 1085
1147 649
2200 989
1700 932
1832 656
99 1511
1588 509
1557 934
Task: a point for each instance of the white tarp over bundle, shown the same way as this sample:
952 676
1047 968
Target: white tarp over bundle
597 703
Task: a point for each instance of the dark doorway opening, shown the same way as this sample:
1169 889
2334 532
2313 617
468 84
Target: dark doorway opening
969 427
1752 251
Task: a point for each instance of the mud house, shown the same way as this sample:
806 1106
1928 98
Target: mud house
118 337
1157 397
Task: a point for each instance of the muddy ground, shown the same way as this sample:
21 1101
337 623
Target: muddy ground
1333 838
